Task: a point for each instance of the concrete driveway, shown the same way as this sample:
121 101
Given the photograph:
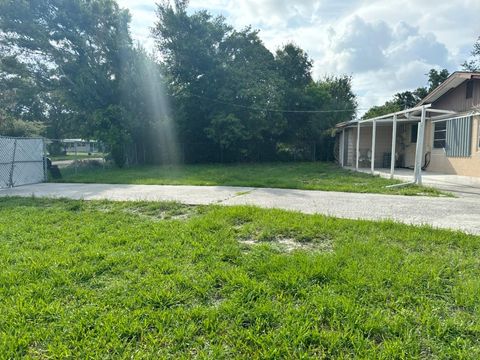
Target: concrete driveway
461 186
449 213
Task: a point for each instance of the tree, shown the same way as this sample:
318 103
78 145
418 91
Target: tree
378 110
473 64
408 99
343 101
226 130
342 106
20 92
19 128
71 65
400 101
224 82
294 66
189 46
111 125
435 78
233 95
74 53
145 97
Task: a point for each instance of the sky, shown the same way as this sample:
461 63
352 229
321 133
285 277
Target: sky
386 46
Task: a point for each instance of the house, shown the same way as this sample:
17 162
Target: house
440 134
80 146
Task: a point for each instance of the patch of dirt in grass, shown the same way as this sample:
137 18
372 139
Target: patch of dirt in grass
37 350
239 224
216 301
151 211
177 213
290 244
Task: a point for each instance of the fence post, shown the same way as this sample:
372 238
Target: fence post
45 170
10 180
76 159
104 158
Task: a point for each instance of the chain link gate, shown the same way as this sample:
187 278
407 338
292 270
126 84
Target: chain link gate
22 161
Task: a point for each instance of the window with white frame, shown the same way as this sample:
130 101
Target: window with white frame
439 135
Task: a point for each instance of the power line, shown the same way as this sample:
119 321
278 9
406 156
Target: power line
276 110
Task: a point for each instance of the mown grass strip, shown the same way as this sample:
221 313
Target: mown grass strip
306 176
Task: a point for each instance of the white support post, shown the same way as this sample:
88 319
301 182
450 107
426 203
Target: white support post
358 146
45 164
394 146
374 135
342 149
419 149
76 158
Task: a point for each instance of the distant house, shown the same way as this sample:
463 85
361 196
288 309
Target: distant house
440 134
80 145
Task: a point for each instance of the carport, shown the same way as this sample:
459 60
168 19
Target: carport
417 115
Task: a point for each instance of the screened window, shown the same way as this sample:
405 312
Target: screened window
469 94
440 135
414 133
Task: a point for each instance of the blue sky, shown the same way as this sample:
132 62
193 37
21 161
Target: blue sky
387 46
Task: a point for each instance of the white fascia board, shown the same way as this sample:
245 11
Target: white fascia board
391 115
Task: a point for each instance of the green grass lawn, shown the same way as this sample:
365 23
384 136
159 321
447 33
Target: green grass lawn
161 280
307 176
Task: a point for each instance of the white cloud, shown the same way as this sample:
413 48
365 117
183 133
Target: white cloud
143 19
387 46
359 47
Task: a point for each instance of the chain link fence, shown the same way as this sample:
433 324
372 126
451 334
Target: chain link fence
25 161
22 161
69 157
28 161
283 152
74 155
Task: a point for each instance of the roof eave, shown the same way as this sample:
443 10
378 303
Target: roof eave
454 80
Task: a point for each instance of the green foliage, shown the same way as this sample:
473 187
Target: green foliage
306 176
387 108
435 78
72 66
19 128
294 66
226 130
231 92
408 99
71 58
111 126
474 63
88 280
73 47
20 92
223 81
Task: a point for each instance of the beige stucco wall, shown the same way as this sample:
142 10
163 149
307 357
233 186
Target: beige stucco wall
468 166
